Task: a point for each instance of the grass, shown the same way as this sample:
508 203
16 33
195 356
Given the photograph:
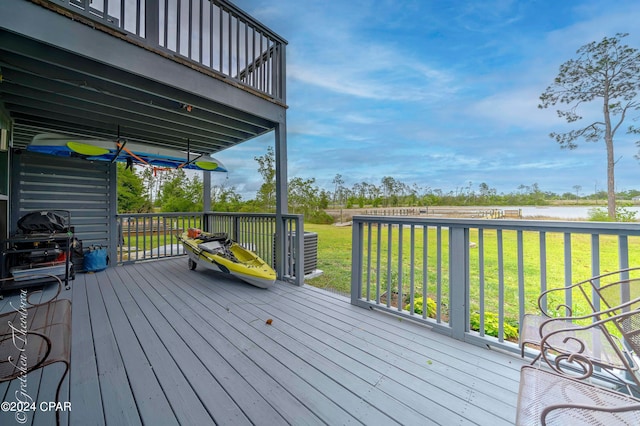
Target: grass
334 258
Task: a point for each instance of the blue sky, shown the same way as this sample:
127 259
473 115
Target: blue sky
436 93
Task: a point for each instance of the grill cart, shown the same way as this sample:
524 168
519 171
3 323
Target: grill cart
43 245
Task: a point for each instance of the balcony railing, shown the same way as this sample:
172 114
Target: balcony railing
150 236
213 34
485 273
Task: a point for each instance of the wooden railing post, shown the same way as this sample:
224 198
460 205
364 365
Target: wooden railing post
152 22
356 262
236 228
299 251
459 281
623 256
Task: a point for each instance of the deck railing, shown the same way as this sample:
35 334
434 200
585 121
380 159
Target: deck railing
149 236
482 274
258 233
213 34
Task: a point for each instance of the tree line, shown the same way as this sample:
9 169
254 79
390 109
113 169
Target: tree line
174 191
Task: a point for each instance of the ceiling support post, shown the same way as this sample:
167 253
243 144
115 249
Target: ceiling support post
281 196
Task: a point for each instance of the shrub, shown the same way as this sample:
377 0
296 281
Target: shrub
491 325
598 215
418 306
622 214
319 217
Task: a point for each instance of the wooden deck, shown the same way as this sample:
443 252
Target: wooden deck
155 343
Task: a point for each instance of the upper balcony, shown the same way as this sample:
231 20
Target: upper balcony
183 73
214 36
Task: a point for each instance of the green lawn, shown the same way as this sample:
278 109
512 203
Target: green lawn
334 258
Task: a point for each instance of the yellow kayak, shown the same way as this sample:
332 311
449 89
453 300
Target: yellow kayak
218 253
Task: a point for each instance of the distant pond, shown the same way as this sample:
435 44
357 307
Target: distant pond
562 212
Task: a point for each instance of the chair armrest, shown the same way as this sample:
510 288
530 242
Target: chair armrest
545 294
52 298
33 292
621 409
589 288
585 345
12 365
604 315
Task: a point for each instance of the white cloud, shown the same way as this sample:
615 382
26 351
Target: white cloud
435 93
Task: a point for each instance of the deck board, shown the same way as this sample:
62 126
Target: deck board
146 391
399 366
155 343
227 355
431 361
181 347
390 359
112 376
370 404
85 393
260 350
176 387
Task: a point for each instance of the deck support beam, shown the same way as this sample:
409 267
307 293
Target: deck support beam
281 194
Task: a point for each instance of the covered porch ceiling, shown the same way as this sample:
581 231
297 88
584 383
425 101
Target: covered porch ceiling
64 76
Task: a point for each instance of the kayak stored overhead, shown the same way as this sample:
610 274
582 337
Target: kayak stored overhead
123 151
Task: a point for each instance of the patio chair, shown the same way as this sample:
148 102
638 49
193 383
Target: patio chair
34 337
549 398
573 347
565 332
608 340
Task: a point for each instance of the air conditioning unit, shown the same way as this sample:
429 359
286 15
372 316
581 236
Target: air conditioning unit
310 251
